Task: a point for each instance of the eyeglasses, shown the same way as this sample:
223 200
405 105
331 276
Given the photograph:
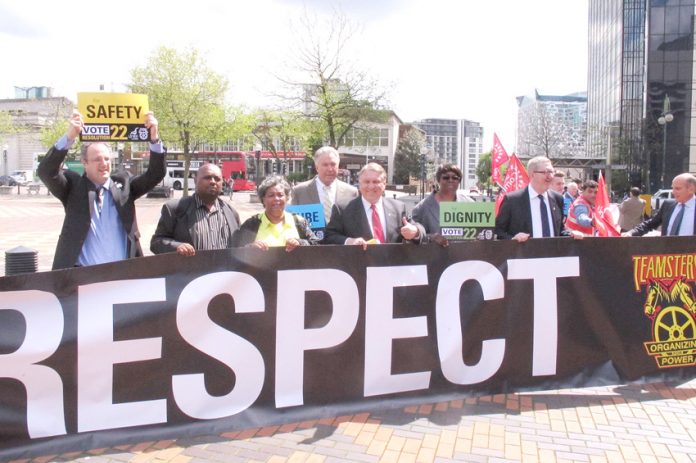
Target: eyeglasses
451 177
545 172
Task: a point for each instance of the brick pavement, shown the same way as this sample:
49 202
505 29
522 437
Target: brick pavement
649 423
631 423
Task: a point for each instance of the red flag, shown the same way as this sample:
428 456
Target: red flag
498 157
515 178
604 221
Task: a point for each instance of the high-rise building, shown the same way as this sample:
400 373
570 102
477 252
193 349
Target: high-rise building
641 68
554 126
455 141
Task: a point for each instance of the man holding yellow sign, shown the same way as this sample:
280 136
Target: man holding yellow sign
100 224
113 116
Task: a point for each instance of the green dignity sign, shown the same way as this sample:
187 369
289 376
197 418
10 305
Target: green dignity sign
467 221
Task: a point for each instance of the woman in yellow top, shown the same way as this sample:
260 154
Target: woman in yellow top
274 227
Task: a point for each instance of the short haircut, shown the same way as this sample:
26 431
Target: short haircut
272 181
208 165
85 146
325 150
635 191
374 167
445 168
559 173
590 184
536 161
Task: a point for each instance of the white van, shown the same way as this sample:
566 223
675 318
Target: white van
659 197
22 177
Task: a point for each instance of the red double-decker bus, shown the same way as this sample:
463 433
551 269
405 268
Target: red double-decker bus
235 165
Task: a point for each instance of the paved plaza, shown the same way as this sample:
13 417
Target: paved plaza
633 423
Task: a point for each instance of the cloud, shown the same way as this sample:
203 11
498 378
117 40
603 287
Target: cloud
16 26
362 10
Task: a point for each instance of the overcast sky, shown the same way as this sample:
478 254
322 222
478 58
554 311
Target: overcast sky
439 58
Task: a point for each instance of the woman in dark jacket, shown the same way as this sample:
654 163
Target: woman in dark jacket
427 212
274 226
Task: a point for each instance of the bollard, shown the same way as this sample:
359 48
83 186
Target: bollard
21 260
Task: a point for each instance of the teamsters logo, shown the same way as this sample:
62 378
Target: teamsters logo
670 305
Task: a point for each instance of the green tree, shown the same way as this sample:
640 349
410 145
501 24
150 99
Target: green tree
188 99
281 132
6 125
52 132
483 170
407 157
334 94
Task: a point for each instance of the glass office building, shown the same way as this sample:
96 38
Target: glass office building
641 66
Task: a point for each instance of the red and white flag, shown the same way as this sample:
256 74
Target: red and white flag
498 157
603 219
515 178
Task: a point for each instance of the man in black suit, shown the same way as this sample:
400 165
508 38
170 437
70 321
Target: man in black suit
199 222
371 218
676 216
534 211
100 224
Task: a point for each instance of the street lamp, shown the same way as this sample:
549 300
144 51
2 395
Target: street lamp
665 118
423 170
4 158
257 148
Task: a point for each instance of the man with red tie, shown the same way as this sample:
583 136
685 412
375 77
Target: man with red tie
372 218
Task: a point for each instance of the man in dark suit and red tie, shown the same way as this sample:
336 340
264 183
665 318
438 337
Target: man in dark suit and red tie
676 216
372 218
535 211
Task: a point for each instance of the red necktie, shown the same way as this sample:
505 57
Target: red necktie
377 231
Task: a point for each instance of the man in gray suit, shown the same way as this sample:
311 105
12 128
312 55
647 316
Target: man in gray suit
372 218
325 188
199 222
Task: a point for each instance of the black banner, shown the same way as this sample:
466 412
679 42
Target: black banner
165 346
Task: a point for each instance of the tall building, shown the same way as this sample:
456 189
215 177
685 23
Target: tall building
641 67
455 141
554 126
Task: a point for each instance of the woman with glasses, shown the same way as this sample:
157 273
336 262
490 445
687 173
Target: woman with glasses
274 227
427 212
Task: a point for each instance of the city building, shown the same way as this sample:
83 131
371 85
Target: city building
33 110
554 126
371 142
640 88
455 141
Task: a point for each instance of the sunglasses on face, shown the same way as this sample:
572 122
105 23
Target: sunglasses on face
450 177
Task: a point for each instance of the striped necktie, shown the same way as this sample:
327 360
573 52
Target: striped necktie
100 198
328 203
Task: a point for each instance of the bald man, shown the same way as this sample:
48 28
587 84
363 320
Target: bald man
676 216
202 221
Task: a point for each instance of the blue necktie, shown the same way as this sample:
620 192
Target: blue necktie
545 228
676 225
